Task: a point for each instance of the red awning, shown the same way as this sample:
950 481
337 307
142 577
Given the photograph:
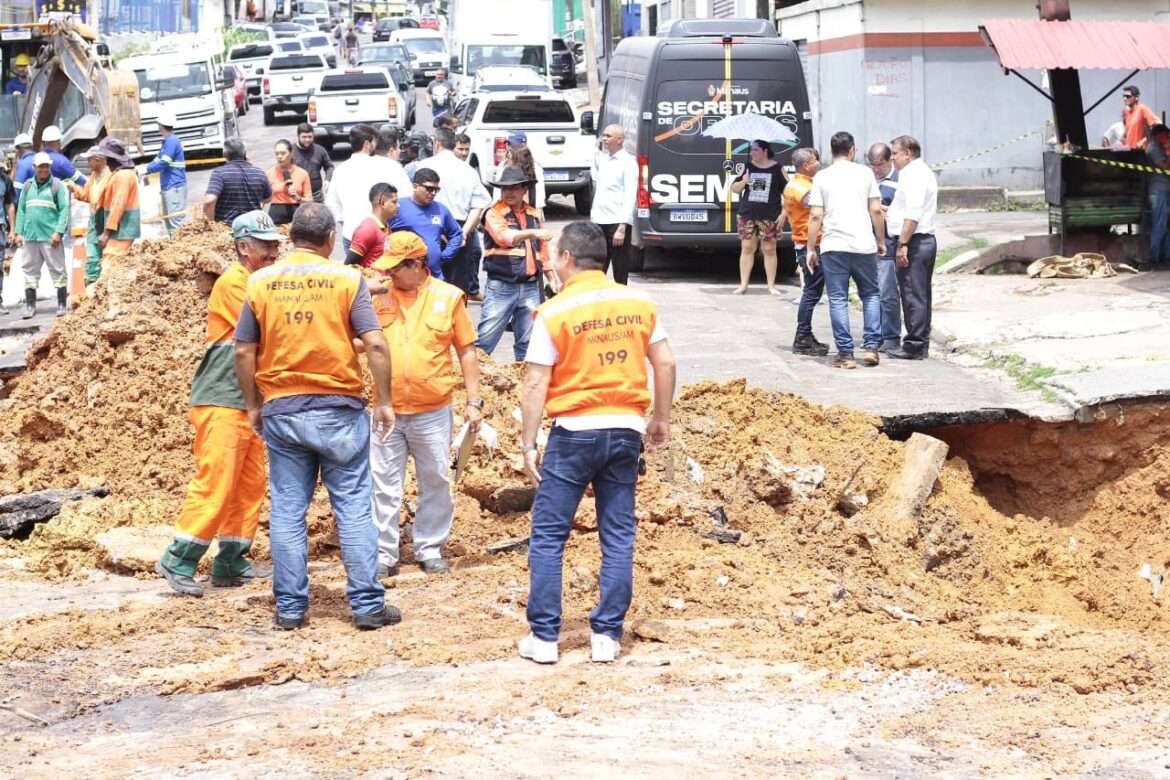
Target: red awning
1033 43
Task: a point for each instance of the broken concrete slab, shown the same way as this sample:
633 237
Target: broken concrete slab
20 512
924 458
1130 381
133 549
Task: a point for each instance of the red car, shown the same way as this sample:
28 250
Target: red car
239 89
429 23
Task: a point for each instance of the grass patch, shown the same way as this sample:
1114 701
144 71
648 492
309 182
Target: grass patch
947 255
1027 376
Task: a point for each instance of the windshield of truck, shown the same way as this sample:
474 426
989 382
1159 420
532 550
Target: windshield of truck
290 45
421 46
316 42
169 82
481 56
344 82
314 7
11 107
295 62
509 112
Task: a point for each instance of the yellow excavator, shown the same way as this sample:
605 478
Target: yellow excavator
72 83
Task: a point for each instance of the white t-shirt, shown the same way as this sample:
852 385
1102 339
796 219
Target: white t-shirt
542 352
844 190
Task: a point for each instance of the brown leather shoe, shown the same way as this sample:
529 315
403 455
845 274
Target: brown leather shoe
870 357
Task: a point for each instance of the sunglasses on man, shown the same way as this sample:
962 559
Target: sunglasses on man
431 188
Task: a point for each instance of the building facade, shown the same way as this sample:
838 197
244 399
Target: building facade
880 68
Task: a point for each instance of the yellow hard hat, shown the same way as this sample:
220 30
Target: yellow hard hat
21 59
401 245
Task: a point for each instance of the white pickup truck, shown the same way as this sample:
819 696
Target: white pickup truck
363 95
289 81
549 121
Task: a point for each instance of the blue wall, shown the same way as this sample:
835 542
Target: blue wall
163 16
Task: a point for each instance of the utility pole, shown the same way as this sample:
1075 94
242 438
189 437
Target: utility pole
591 74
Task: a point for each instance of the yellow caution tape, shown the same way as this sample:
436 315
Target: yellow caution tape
988 150
1150 169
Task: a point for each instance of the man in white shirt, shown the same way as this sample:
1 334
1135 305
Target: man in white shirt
847 216
464 196
349 189
911 219
615 193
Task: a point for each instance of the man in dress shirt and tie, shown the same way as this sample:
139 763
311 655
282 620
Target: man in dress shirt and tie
615 190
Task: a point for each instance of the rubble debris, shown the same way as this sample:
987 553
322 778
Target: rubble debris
897 612
923 460
19 513
132 550
694 471
652 630
514 544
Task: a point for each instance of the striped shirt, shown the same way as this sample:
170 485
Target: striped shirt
238 187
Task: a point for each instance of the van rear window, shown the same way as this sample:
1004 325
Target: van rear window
250 51
347 81
507 112
295 62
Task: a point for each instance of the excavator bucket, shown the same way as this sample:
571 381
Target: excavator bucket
121 107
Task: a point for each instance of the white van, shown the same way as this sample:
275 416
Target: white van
427 49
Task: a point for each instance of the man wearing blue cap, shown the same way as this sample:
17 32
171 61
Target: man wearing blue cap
224 498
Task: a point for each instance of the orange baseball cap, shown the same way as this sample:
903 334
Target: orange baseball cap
401 245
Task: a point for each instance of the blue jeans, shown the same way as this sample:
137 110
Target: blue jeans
1160 228
609 460
839 268
887 274
810 293
502 300
475 252
334 442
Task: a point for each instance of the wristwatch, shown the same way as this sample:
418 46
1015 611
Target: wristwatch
530 448
477 403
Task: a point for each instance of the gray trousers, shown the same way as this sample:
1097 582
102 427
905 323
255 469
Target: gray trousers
427 437
890 297
175 202
915 283
38 253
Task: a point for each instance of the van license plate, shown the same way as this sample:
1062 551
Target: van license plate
688 215
556 175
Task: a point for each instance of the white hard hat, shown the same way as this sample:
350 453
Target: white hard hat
51 134
41 158
22 139
166 116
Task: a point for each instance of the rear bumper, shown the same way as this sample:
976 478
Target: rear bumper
579 179
424 76
299 103
648 238
339 133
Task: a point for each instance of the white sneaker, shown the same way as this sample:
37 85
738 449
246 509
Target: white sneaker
605 649
538 650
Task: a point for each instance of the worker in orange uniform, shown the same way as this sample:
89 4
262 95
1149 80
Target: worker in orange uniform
587 368
422 318
225 496
91 193
796 210
302 384
118 220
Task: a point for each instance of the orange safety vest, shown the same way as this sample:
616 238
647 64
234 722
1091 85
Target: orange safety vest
422 373
798 213
302 305
602 332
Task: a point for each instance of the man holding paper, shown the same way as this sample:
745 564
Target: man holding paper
422 318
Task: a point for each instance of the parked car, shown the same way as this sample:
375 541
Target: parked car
251 58
384 27
507 78
351 97
428 22
257 29
428 53
306 21
563 68
289 81
239 81
393 57
554 137
319 43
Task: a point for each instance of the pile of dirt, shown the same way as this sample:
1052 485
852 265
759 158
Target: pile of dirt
771 526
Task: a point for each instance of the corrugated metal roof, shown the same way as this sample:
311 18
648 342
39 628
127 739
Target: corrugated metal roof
1033 43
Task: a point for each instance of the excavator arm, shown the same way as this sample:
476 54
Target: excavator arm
69 56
